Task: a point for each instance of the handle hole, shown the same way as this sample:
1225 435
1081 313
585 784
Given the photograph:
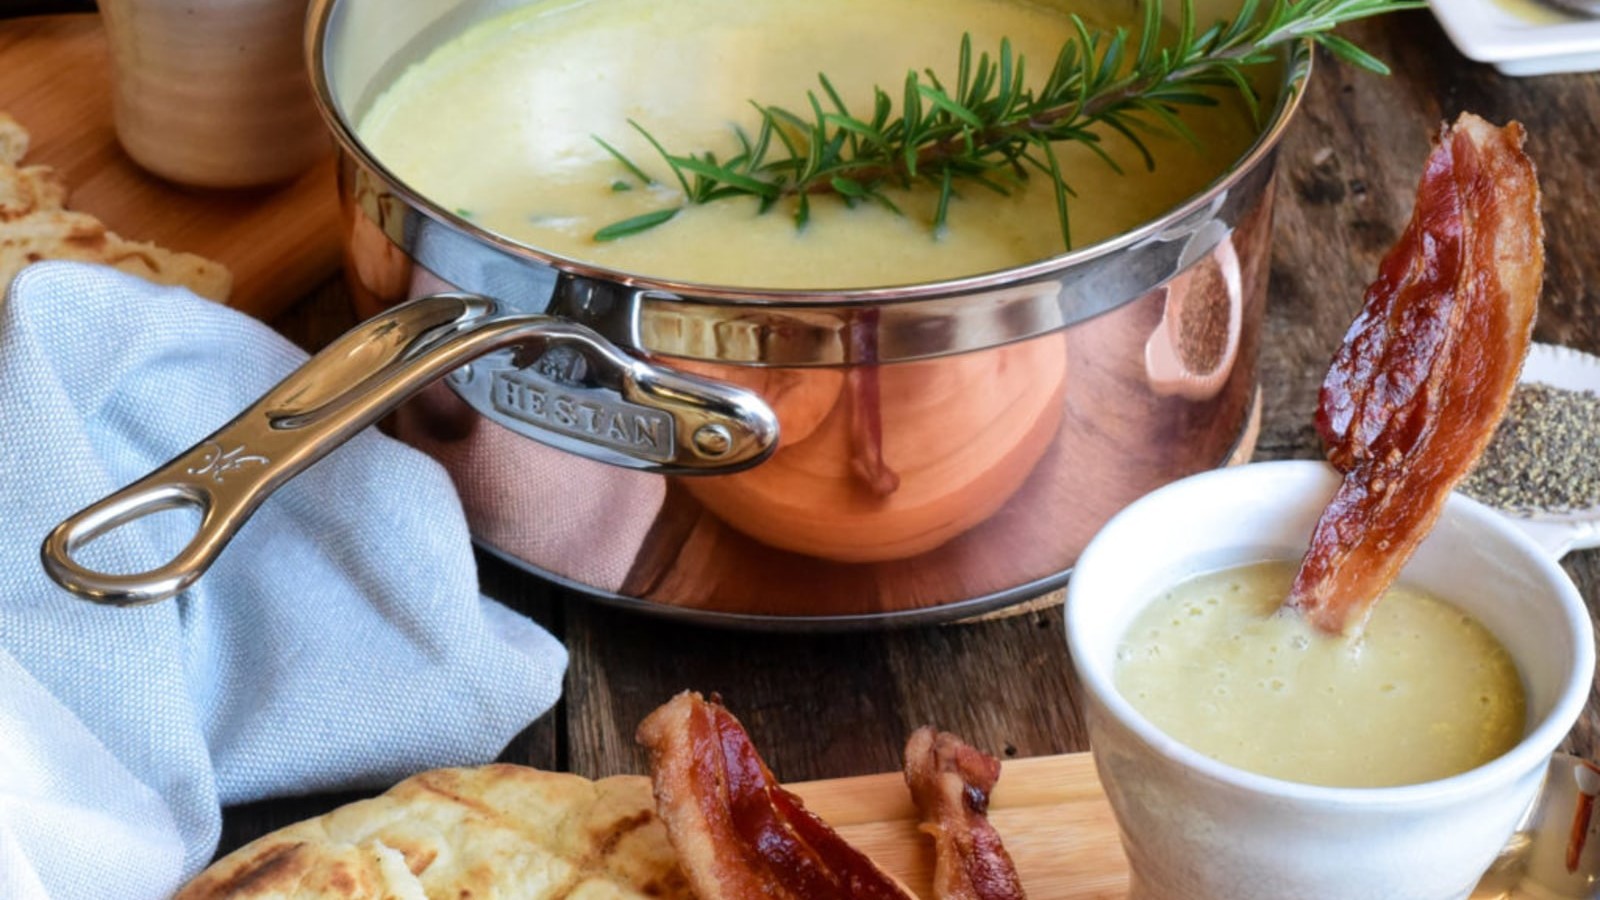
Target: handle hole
171 517
161 535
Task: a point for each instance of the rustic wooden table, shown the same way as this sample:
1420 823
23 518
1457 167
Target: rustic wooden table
836 705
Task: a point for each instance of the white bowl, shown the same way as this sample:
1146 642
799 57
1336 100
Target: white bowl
1195 828
1520 37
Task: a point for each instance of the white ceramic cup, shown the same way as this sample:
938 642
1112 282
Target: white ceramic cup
1197 829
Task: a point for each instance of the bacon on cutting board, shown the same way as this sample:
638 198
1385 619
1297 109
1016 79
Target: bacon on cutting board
950 783
1426 371
738 833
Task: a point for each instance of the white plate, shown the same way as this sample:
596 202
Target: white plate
1520 37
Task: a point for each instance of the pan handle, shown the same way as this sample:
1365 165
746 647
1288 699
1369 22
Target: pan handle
683 424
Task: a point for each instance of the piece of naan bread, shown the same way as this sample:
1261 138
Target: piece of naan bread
495 831
13 140
36 225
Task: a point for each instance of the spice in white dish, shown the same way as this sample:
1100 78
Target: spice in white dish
1545 457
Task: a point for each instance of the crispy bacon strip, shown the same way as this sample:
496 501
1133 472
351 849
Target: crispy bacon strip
950 783
739 835
1425 372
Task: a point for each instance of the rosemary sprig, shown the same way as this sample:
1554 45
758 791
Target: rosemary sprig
988 127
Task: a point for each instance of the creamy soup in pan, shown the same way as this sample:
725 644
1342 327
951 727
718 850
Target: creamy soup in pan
499 125
1425 693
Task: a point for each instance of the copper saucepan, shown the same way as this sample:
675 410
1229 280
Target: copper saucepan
743 456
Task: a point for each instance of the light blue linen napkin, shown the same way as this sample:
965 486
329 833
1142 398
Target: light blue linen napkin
339 641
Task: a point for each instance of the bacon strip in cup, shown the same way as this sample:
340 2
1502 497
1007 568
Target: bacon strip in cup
1426 371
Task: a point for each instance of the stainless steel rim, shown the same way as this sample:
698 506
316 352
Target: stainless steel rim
1297 70
756 327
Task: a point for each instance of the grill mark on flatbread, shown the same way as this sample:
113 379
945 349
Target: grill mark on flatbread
592 864
342 880
477 806
622 829
85 241
421 860
274 865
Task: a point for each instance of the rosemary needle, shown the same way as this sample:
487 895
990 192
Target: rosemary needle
989 127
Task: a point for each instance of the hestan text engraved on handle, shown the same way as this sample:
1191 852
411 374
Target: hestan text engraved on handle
589 414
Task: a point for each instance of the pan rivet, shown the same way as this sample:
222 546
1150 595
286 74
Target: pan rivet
462 375
712 440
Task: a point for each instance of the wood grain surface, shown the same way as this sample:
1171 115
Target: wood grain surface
840 705
1050 811
279 242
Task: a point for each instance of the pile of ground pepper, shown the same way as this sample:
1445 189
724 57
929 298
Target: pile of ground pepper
1545 457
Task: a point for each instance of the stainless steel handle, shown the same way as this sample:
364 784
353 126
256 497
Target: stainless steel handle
697 426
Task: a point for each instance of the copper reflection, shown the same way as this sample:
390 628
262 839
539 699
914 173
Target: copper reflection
903 462
1007 460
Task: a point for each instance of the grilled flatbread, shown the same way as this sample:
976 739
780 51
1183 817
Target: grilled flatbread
36 225
494 831
13 140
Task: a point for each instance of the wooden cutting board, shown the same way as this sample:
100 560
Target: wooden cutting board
280 243
1050 810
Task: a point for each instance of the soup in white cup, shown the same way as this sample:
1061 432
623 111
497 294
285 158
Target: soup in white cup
1195 828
